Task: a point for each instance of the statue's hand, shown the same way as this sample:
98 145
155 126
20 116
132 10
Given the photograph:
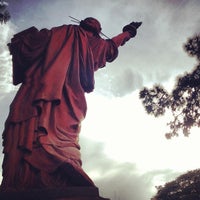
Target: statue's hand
132 28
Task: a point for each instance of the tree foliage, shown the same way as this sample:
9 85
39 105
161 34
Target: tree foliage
4 14
183 101
184 187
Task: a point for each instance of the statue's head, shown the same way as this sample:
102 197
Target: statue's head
91 24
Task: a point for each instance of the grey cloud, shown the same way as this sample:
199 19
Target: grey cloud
5 100
119 180
166 27
120 83
127 184
5 58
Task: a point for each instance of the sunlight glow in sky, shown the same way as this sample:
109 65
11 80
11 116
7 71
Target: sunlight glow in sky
139 138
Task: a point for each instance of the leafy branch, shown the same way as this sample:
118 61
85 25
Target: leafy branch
183 101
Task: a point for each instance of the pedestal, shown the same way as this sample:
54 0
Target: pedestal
70 193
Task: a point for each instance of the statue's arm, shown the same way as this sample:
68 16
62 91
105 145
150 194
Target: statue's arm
122 38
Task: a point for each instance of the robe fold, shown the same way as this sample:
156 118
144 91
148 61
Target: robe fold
55 68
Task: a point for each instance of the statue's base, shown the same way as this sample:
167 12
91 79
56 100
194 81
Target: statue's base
70 193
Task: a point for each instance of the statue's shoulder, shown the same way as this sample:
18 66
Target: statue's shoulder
32 29
65 26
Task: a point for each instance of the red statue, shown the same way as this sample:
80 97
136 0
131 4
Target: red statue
56 67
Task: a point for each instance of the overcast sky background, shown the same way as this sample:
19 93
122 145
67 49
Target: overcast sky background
123 149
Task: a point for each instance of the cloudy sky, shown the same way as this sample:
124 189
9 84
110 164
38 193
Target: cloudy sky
123 149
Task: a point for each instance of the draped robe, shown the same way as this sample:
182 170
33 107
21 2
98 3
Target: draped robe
55 68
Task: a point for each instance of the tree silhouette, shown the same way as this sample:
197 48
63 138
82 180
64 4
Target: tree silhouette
4 14
183 101
184 187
